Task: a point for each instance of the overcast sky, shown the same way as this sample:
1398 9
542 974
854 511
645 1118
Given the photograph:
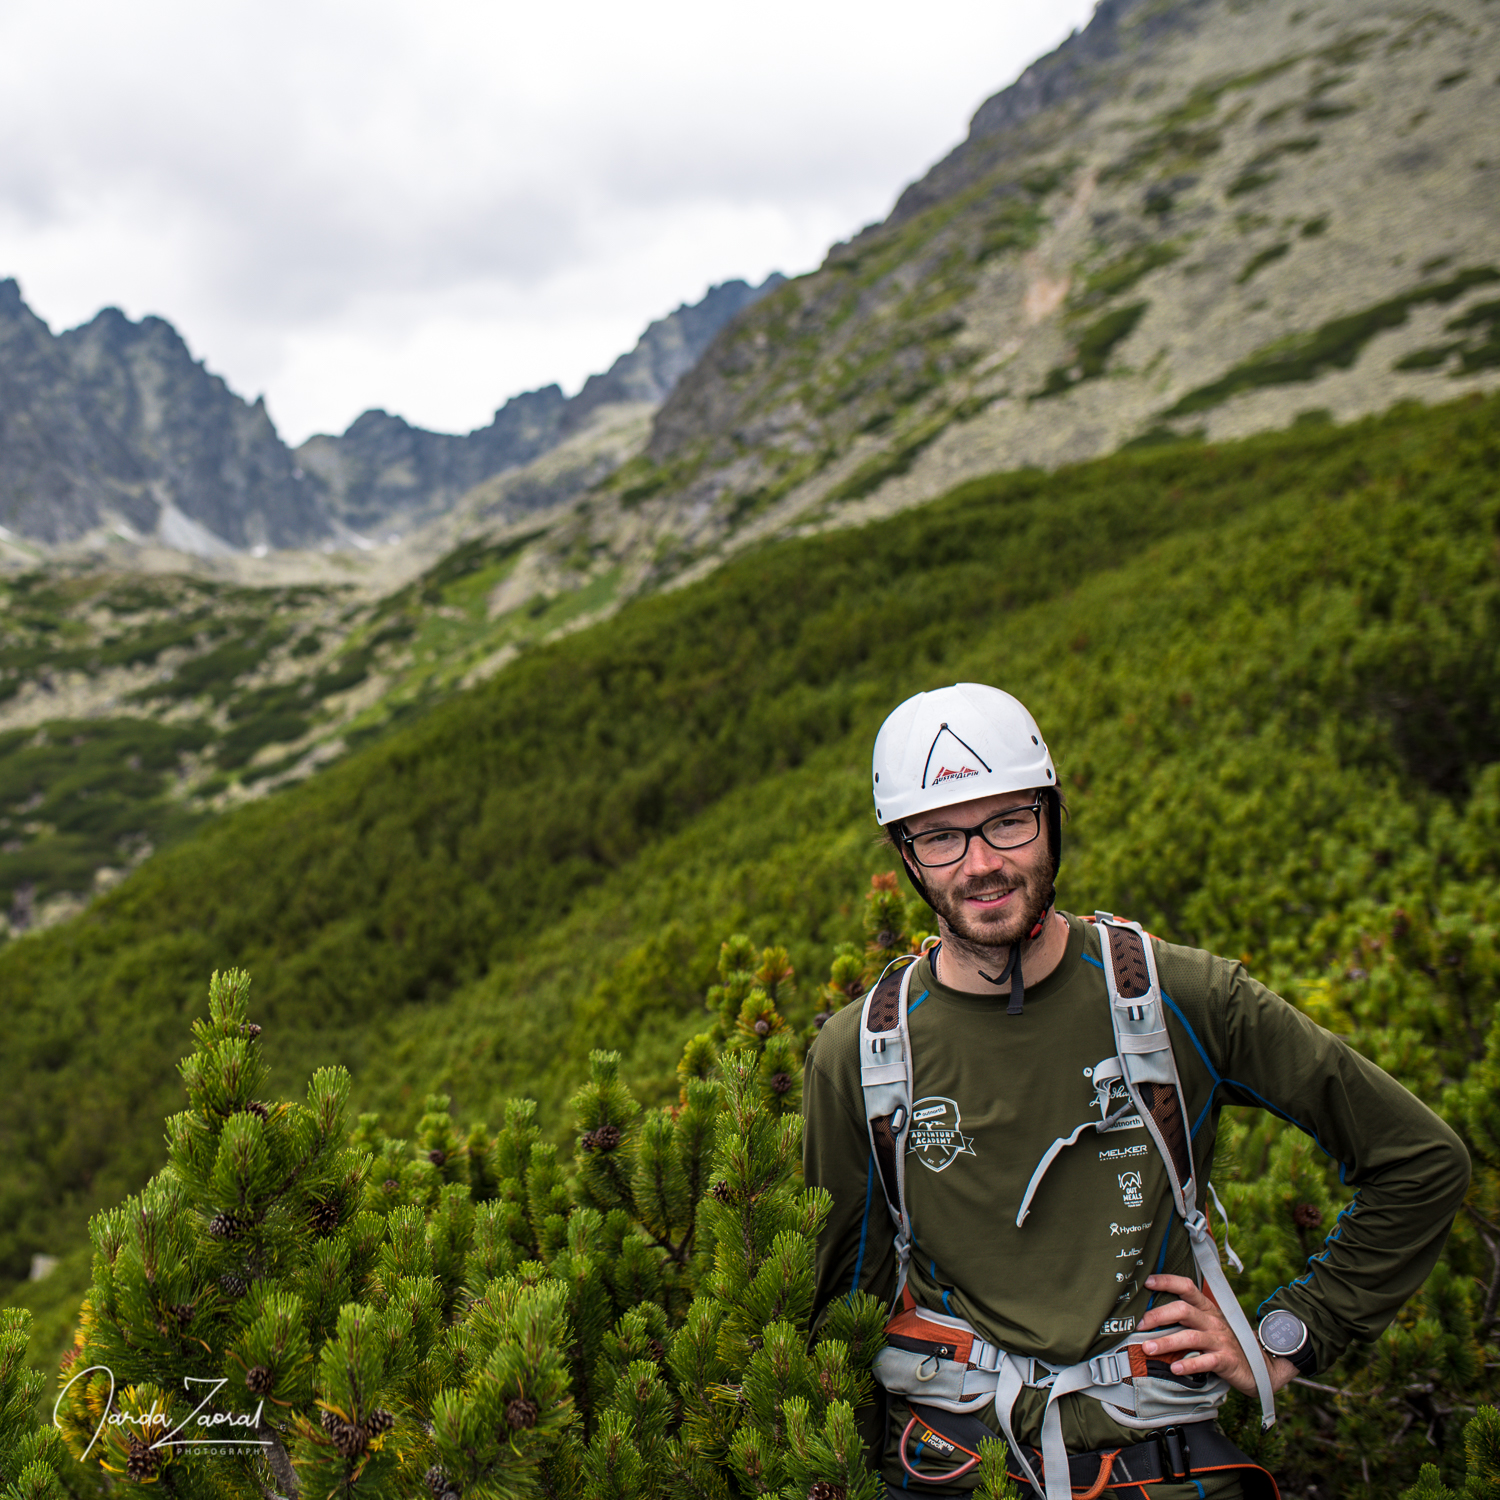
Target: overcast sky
431 206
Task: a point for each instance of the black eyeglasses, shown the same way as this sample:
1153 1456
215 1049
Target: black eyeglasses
1011 829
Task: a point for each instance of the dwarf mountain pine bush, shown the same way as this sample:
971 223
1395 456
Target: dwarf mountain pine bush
296 1308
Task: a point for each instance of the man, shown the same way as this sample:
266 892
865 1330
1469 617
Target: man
1062 1257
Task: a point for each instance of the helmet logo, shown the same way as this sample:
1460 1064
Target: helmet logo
944 774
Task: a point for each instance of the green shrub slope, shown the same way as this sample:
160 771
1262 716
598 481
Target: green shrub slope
1268 671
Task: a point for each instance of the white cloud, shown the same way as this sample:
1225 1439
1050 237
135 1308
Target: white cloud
431 207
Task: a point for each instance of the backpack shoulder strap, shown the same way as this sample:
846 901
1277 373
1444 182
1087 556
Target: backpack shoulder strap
885 1075
1144 1047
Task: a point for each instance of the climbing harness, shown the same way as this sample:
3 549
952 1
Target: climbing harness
945 1365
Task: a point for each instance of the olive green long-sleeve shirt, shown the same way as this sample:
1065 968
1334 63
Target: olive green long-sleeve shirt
993 1091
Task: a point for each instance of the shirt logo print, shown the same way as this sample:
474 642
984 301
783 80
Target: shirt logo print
934 1135
1130 1189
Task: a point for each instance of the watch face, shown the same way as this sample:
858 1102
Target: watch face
1282 1333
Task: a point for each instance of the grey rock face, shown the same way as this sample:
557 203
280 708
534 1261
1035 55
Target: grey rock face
1071 74
58 467
384 472
668 349
115 421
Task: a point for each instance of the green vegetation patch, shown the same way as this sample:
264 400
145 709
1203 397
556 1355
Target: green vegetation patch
1327 109
215 672
1334 345
1298 146
78 795
1120 275
472 569
894 461
1249 182
1016 226
1479 349
1091 354
1259 261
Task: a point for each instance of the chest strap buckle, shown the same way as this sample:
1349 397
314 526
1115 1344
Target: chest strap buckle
1110 1369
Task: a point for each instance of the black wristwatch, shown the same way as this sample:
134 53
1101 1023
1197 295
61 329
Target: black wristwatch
1285 1334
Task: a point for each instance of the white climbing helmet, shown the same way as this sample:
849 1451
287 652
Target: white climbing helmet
952 745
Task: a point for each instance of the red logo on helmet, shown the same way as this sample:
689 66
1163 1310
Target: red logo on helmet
944 774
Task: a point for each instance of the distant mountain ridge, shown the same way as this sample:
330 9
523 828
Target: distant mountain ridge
384 471
114 428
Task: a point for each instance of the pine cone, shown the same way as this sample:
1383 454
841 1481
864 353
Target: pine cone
821 1019
349 1440
605 1138
232 1285
824 1489
762 1027
256 1108
142 1463
391 1185
780 1082
259 1380
441 1486
437 1156
325 1218
521 1412
656 1350
183 1312
331 1420
250 1029
722 1191
885 938
378 1423
224 1225
1307 1216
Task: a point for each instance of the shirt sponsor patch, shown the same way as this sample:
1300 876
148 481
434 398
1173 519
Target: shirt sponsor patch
1119 1153
934 1135
1116 1325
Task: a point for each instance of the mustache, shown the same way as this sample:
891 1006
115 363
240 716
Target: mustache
988 887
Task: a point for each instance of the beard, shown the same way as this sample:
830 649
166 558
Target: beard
983 937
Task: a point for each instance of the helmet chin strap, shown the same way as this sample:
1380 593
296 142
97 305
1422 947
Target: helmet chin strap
1012 970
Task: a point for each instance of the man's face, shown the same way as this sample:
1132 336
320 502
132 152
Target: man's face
991 897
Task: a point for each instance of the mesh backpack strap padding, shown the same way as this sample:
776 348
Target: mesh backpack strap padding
884 1141
1129 955
885 1003
1165 1107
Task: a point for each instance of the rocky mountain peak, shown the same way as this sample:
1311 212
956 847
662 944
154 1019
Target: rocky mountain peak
383 473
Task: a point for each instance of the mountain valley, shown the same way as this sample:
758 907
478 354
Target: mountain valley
1193 221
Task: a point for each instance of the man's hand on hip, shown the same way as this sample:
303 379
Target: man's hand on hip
1205 1343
